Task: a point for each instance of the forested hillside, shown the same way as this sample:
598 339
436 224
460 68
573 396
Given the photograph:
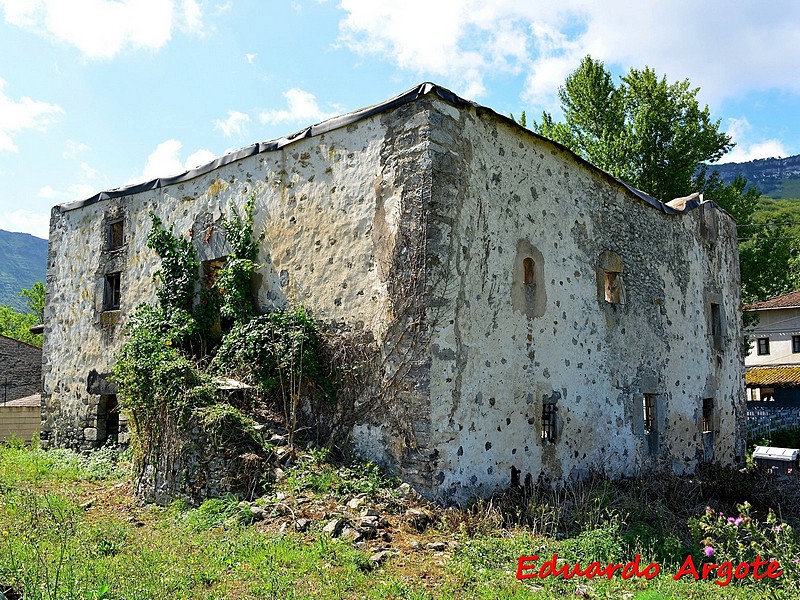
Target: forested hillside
23 260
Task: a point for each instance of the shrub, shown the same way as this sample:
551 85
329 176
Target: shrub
743 538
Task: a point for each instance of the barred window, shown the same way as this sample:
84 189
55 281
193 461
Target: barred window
549 422
649 413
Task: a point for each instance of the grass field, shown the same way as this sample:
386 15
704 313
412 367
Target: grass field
71 529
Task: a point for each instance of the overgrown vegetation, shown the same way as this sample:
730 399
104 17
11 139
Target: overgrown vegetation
71 531
170 367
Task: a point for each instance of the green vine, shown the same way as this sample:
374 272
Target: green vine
166 384
234 281
177 278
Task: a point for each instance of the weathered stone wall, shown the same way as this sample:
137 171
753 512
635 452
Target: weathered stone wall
475 256
331 209
20 369
502 347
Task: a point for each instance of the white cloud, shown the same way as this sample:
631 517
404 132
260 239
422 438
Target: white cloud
26 221
224 8
165 161
198 159
73 149
88 171
466 42
234 125
192 17
303 107
251 58
16 116
47 192
80 191
746 148
100 29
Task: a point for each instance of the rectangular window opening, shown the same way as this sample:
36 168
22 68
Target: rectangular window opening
613 287
649 413
795 344
716 320
116 236
108 418
549 422
707 424
111 292
528 272
763 346
209 275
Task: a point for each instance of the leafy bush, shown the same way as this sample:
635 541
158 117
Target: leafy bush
743 538
227 426
272 350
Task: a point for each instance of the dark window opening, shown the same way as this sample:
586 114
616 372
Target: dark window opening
716 320
528 277
707 423
115 235
111 292
549 422
763 346
796 344
649 413
613 287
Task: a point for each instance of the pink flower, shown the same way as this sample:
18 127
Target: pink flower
738 521
708 551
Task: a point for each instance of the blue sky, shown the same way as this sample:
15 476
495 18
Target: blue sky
96 94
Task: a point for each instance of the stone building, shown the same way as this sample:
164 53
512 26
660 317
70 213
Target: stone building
536 317
20 369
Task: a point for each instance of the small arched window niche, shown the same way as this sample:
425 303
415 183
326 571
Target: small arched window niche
610 284
527 289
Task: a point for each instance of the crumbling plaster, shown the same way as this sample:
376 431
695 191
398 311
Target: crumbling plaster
413 225
500 191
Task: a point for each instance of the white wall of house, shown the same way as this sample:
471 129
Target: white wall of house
781 329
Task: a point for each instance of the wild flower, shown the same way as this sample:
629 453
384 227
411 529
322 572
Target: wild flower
708 551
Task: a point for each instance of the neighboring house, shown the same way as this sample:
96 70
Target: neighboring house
20 389
773 361
537 318
20 369
20 418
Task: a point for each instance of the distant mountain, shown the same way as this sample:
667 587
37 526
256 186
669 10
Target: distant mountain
23 262
774 177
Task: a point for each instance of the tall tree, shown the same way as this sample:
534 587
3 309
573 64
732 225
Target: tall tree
35 298
646 131
655 136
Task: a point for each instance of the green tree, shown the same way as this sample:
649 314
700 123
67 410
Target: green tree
655 136
17 325
35 299
646 131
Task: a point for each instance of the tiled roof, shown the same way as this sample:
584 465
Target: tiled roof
790 300
785 376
